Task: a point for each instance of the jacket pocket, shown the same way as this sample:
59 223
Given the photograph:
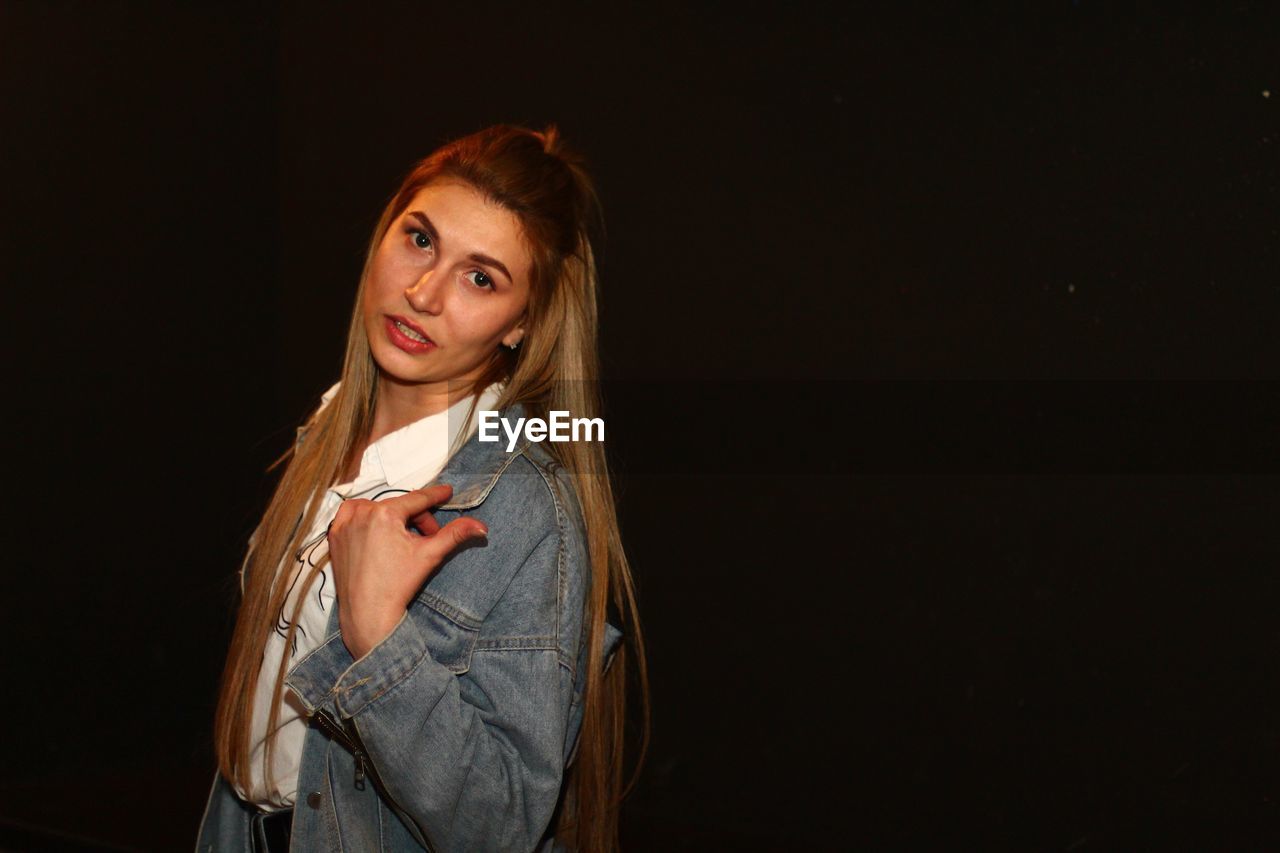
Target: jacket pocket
449 631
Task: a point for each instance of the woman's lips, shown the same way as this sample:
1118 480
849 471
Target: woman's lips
403 341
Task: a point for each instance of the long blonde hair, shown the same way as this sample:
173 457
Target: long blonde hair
534 175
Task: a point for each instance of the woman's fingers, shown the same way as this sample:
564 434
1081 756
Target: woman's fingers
414 508
426 523
414 503
450 537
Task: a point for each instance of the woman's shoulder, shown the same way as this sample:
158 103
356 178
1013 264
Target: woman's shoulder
504 477
527 579
542 488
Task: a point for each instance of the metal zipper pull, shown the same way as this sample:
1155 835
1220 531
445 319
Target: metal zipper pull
357 751
359 770
331 727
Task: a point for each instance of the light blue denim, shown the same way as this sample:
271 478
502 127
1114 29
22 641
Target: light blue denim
469 710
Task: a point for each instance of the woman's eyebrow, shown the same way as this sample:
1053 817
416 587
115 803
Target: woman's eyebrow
479 258
426 225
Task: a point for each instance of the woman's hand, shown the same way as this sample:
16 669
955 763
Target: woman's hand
379 564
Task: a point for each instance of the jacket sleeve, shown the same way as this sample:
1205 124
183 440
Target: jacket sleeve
466 743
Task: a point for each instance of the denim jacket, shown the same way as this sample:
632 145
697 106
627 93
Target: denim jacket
455 731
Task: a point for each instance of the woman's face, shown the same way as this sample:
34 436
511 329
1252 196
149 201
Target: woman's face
453 269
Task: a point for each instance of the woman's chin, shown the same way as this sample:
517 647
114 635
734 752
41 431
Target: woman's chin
400 377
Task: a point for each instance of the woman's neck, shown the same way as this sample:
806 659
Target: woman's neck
400 404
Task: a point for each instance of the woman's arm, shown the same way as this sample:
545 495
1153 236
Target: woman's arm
464 735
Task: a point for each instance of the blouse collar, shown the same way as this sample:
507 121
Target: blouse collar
408 457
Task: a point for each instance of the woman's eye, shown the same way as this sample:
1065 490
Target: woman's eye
420 239
481 280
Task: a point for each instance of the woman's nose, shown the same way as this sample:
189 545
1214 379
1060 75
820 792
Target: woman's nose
425 293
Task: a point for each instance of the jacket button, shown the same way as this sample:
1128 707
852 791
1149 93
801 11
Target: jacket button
313 799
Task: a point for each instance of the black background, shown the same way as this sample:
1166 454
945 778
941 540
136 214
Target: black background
942 356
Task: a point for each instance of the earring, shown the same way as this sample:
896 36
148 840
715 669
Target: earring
512 347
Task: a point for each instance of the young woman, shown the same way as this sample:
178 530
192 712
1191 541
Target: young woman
422 656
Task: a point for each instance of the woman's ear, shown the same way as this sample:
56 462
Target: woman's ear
516 335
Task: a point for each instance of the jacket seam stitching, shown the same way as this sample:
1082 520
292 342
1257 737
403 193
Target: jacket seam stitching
500 644
560 557
448 610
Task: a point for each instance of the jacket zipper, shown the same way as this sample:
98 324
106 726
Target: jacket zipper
330 727
350 738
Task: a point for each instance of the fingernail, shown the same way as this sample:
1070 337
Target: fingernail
480 532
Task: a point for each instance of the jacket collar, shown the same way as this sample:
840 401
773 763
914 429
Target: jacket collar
477 465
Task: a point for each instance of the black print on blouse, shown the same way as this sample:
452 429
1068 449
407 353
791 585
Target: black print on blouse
306 556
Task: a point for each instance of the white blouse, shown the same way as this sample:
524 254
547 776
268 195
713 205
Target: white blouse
400 461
